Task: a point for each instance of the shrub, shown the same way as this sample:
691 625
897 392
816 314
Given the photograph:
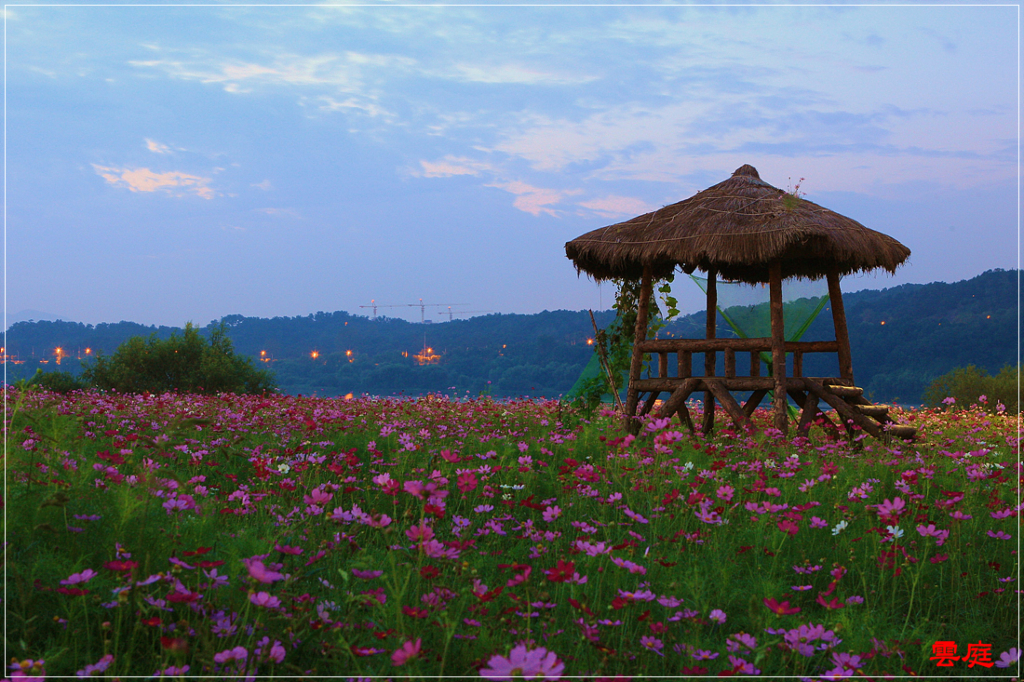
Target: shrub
187 363
967 384
58 382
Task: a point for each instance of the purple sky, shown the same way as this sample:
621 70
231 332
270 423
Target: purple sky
170 164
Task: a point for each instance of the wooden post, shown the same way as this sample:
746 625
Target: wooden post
835 299
640 334
778 346
685 360
710 356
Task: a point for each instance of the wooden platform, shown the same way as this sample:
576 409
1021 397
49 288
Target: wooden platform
848 401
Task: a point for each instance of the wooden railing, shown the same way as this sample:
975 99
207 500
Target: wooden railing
685 348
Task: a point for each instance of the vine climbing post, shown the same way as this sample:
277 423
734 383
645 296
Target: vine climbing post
710 357
632 393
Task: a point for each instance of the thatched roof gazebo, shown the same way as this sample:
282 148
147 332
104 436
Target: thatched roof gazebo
744 230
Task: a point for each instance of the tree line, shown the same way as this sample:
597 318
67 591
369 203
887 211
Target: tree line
902 339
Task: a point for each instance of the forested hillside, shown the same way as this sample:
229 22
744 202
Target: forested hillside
928 330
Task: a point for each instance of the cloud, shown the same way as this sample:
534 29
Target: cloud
265 185
534 200
516 74
145 180
361 104
288 212
156 147
452 165
613 206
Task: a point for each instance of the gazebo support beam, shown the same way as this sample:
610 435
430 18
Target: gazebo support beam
835 299
640 334
710 358
778 346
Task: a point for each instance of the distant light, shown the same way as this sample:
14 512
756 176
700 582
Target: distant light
348 353
590 342
88 350
883 321
348 396
987 317
263 353
314 355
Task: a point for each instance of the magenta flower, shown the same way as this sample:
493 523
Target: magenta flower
702 655
652 644
265 599
83 577
891 508
718 615
260 572
537 664
406 652
97 667
999 535
239 653
1007 658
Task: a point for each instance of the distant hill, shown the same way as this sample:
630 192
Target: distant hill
929 329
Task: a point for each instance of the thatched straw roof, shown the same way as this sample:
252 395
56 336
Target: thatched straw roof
737 227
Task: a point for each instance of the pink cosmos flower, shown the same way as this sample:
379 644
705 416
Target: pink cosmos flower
538 664
265 599
551 513
239 653
1007 658
406 652
97 667
260 572
83 577
718 615
653 644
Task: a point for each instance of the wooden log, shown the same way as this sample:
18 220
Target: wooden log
678 398
729 403
649 403
730 363
843 409
798 363
778 346
639 335
754 400
835 299
663 365
710 356
755 363
754 344
808 414
685 361
734 384
685 419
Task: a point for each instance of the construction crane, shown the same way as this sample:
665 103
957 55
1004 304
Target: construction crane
421 305
451 314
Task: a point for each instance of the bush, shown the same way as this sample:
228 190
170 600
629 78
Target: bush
58 382
967 384
187 363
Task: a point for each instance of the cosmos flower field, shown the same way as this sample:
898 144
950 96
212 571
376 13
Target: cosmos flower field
172 536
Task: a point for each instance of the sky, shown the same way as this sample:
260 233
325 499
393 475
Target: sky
168 164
